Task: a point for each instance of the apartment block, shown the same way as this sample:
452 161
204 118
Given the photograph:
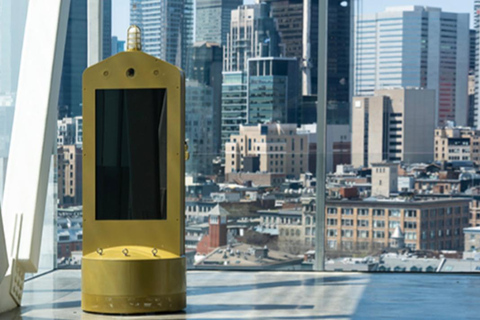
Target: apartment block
475 212
70 131
393 125
457 144
278 148
69 166
434 224
370 225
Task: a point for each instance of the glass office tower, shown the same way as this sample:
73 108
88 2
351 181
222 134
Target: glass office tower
234 103
75 57
416 46
273 90
289 20
213 19
167 28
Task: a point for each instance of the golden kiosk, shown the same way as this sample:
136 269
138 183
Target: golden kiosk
133 184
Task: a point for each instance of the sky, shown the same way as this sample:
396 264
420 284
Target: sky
120 12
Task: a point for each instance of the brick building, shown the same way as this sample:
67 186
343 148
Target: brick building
365 226
217 231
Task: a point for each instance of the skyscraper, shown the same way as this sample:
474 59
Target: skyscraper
107 28
290 16
75 58
199 127
471 57
273 90
476 27
416 46
167 28
213 19
234 103
206 70
187 33
339 64
252 34
117 45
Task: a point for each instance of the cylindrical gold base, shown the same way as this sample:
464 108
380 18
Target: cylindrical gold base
128 286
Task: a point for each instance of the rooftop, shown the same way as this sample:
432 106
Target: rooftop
405 201
247 257
472 230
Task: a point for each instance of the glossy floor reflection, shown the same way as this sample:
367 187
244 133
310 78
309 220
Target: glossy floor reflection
278 295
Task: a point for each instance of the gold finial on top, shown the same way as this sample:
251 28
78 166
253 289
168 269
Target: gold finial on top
134 38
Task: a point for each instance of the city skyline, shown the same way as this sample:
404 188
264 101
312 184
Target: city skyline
384 190
121 10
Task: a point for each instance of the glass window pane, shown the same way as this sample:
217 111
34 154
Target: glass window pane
131 150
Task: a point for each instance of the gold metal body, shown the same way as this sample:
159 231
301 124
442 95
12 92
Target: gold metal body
135 266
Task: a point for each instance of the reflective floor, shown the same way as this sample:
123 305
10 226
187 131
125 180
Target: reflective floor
279 295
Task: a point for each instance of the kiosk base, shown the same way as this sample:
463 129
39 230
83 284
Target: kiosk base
133 281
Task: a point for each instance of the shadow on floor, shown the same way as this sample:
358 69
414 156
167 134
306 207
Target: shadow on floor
316 281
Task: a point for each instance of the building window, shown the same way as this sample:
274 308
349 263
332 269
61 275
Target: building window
362 212
410 213
347 233
393 224
331 210
378 234
394 213
378 212
363 234
410 225
410 236
378 224
332 232
362 223
332 222
332 244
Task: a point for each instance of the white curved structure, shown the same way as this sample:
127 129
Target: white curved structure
3 252
32 143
